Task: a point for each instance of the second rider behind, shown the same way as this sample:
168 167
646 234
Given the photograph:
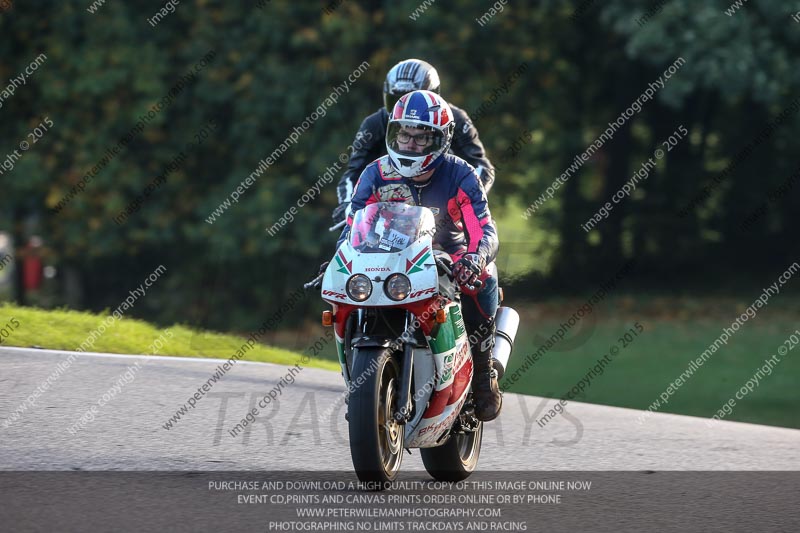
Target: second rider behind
406 76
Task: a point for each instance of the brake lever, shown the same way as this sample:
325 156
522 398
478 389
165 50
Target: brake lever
314 283
444 267
476 286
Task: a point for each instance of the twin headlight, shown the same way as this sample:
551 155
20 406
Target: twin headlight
359 287
397 287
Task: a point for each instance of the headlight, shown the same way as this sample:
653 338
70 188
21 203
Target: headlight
397 287
359 287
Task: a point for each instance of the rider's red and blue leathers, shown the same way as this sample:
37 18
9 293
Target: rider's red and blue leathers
463 221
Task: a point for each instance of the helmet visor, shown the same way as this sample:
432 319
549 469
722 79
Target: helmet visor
392 94
412 139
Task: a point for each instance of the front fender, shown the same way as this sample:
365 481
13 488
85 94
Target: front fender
373 341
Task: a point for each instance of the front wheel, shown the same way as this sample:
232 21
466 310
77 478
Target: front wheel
376 440
457 458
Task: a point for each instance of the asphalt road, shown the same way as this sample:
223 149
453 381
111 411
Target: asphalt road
124 471
305 429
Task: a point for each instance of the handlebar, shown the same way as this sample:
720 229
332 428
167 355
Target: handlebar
314 283
440 263
443 265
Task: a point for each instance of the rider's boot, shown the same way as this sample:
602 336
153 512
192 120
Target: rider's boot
485 389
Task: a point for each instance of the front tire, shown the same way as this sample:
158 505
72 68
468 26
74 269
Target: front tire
457 458
376 439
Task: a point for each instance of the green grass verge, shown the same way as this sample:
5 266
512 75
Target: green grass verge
66 330
675 332
672 338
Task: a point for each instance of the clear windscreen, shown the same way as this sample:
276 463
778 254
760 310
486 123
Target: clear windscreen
388 227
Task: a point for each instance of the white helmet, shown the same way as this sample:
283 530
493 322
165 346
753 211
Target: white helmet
419 133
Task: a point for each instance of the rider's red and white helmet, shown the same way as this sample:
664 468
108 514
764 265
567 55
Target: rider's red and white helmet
419 133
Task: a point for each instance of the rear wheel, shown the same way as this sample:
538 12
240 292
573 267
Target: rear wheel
457 458
376 440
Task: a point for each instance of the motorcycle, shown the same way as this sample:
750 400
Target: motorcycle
402 346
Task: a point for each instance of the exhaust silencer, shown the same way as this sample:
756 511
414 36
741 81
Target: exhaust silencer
507 321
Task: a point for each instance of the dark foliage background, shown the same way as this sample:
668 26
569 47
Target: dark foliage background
274 65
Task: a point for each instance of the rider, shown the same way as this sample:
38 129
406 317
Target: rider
404 77
419 171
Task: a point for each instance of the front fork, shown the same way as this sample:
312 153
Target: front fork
403 413
445 340
344 336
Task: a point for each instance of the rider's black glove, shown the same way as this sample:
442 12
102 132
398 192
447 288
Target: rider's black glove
340 213
468 269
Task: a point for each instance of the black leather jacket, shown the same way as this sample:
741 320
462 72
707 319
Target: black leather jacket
370 144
